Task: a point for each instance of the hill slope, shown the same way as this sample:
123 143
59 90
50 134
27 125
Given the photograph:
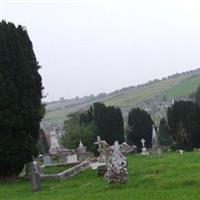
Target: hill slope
175 86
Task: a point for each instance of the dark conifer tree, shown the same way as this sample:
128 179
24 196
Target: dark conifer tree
20 99
108 121
139 126
184 124
197 96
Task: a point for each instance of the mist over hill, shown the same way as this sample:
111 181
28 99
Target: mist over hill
154 96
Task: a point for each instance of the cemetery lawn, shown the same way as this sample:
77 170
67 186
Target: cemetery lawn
169 177
55 169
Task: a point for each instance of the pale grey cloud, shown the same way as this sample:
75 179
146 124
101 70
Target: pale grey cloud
92 46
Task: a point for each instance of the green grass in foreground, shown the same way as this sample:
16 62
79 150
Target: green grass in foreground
169 177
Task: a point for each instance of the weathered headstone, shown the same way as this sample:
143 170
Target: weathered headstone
117 171
47 160
155 143
104 153
82 152
127 149
35 177
72 158
81 148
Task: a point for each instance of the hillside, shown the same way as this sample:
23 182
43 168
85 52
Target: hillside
145 95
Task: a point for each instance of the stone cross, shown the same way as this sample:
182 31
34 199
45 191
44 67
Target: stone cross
143 142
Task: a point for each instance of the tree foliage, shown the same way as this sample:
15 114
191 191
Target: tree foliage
98 120
164 136
42 144
184 123
20 100
139 126
197 96
75 131
109 123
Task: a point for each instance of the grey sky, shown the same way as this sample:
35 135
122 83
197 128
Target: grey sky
91 46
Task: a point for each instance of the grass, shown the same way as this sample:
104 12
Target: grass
56 169
185 88
169 177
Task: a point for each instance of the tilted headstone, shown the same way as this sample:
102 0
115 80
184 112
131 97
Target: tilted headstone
104 153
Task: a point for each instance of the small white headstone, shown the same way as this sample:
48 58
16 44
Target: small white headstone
72 158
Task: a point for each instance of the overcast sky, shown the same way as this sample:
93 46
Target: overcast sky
92 46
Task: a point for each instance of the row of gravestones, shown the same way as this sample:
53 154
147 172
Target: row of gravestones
65 156
155 144
115 164
47 159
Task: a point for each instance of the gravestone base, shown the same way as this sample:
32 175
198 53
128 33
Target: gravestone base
36 183
101 170
121 177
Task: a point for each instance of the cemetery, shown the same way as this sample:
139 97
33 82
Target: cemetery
170 176
149 175
140 142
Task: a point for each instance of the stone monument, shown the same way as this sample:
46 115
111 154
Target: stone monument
155 143
82 152
47 159
144 149
104 153
35 176
117 171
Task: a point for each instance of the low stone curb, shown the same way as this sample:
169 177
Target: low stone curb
67 173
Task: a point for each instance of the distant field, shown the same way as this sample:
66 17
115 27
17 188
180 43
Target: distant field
177 86
185 88
169 177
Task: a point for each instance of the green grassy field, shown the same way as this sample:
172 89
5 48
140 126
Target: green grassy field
169 177
55 169
185 88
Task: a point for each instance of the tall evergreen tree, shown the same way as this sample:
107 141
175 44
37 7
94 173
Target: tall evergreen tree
184 123
139 126
197 96
109 122
20 100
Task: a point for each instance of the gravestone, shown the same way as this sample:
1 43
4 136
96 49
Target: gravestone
72 158
63 158
117 171
35 177
47 160
81 148
127 149
144 149
82 152
155 143
104 153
